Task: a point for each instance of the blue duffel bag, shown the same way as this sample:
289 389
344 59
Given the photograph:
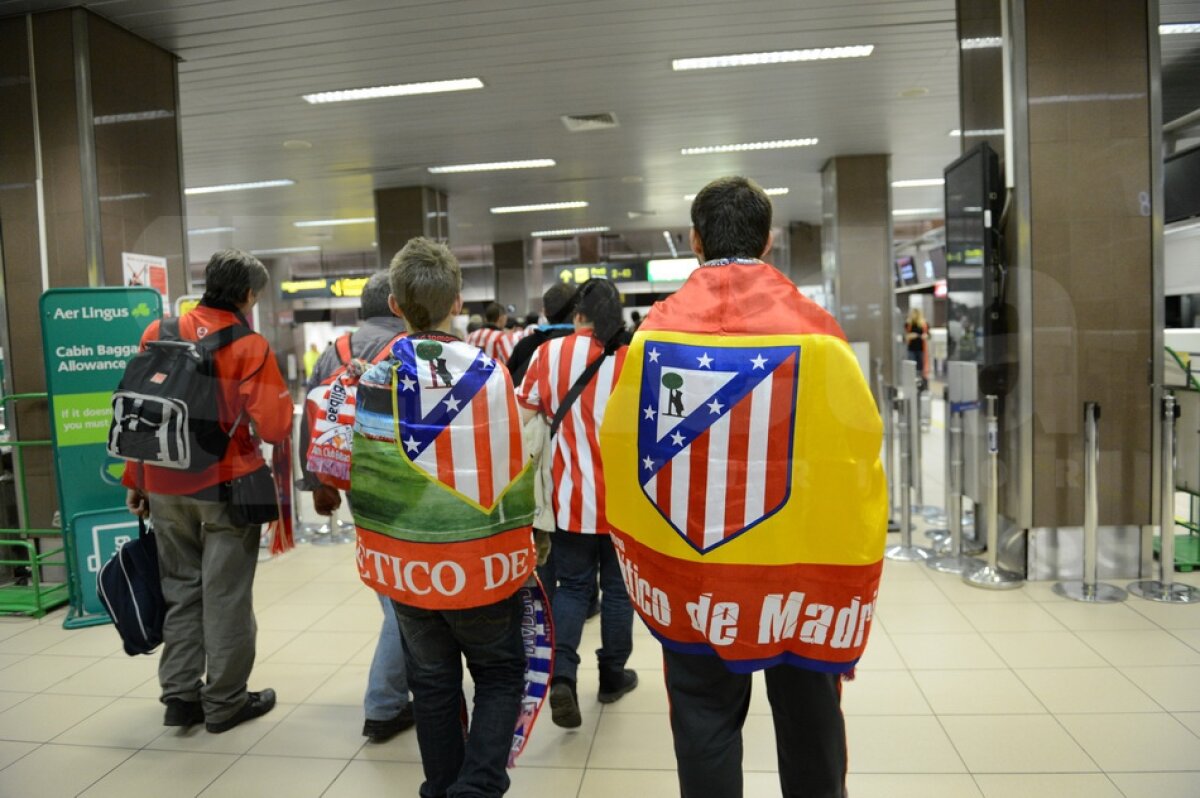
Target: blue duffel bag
129 588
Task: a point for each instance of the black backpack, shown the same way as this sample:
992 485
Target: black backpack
166 411
129 588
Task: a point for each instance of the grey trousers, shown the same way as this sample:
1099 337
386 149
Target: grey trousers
207 566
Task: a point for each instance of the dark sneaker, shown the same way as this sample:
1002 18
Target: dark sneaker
380 731
183 713
564 706
257 705
614 684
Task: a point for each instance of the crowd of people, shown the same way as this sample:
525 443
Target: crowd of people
717 474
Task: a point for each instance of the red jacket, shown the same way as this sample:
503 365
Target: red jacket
249 380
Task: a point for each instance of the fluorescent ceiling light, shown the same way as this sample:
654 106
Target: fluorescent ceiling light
124 197
202 230
755 145
770 192
777 57
917 212
1171 28
396 90
545 206
137 116
922 183
237 187
996 131
537 163
284 250
981 43
574 231
671 243
332 222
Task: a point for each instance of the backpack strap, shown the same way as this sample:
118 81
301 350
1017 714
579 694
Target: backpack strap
343 349
168 329
386 352
612 346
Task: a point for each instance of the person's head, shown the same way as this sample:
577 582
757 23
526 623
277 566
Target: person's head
598 308
474 323
531 319
731 218
234 278
636 315
375 297
558 303
494 314
426 284
312 347
915 316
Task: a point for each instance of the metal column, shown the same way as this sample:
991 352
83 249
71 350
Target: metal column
990 575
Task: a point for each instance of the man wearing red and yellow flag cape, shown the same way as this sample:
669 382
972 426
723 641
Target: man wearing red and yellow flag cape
741 450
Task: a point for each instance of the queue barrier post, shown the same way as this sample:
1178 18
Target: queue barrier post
989 575
906 551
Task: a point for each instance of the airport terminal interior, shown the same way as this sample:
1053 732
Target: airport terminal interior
997 200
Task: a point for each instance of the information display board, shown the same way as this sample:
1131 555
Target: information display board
89 335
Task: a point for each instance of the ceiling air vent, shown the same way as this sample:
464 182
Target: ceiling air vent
582 123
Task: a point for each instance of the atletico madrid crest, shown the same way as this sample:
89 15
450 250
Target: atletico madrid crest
715 435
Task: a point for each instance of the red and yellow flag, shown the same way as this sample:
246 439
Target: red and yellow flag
741 455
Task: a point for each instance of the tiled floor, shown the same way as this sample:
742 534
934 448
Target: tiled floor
963 693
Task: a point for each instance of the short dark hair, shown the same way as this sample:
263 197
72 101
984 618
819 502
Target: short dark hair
493 312
375 297
559 302
426 281
732 217
231 274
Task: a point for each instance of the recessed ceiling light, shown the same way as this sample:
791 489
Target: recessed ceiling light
284 250
574 231
755 145
125 197
981 43
777 57
770 192
136 116
922 183
914 93
396 90
237 186
496 166
1173 28
917 212
332 222
545 206
297 144
996 131
671 243
203 230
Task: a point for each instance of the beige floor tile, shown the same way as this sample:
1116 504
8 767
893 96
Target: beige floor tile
114 677
35 639
649 697
894 571
1058 785
284 617
41 718
922 618
1019 617
881 653
35 673
11 699
293 682
10 626
268 641
545 781
1156 785
268 775
238 740
91 641
758 741
882 693
977 692
404 748
54 771
1079 617
361 778
1190 637
351 618
900 745
600 783
962 594
946 651
1016 744
1044 650
1141 648
146 773
1176 688
909 591
328 594
11 751
1085 690
1128 743
1168 616
322 648
344 688
1189 719
908 785
10 659
125 723
150 688
631 742
315 731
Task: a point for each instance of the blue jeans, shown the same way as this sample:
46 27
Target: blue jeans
435 642
577 558
387 687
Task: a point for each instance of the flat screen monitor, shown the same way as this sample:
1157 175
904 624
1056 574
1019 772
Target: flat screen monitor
933 266
1181 185
972 187
906 272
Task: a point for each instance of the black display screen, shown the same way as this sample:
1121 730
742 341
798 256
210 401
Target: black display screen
1181 185
972 185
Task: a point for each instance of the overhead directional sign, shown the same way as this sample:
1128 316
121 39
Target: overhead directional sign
617 272
323 287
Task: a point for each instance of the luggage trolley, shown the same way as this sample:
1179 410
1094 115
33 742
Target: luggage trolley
1186 388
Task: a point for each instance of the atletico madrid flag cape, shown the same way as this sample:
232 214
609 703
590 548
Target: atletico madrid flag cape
440 485
741 456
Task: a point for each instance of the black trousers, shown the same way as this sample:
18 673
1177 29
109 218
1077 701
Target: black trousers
708 708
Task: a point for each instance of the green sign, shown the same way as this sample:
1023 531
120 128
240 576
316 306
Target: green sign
97 536
88 337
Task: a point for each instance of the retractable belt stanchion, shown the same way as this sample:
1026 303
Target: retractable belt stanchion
1165 588
939 533
886 408
957 561
989 574
1089 589
906 551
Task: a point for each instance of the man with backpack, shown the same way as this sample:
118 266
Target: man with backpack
569 381
200 502
386 703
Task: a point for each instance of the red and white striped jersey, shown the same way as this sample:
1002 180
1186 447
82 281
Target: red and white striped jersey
495 343
577 470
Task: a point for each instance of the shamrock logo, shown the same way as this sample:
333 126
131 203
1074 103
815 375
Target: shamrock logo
141 311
